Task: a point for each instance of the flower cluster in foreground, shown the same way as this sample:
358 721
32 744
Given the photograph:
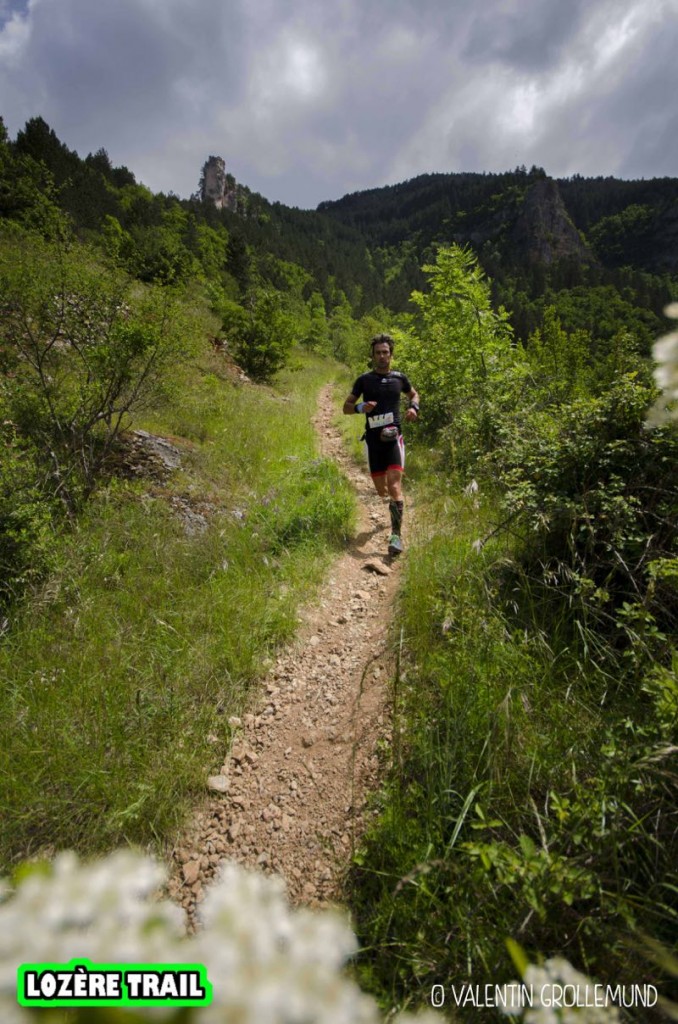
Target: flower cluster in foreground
665 353
265 960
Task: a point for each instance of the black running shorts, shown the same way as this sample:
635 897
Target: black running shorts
385 455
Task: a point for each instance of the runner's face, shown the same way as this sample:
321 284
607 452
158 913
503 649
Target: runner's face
382 356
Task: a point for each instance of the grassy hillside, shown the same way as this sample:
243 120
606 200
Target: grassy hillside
120 671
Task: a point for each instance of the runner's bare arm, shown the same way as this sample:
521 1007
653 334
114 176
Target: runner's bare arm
350 404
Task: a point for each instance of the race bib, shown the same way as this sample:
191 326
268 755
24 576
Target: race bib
382 420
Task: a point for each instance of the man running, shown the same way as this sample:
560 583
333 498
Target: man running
381 389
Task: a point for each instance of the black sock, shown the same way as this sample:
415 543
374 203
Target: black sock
396 510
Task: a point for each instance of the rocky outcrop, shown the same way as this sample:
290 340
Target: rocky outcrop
543 231
218 187
529 227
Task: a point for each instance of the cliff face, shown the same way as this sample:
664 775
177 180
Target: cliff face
543 231
218 187
532 227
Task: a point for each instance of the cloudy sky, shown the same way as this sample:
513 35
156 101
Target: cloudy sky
307 100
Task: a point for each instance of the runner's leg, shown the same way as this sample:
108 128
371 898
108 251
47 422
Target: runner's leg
394 474
381 483
395 505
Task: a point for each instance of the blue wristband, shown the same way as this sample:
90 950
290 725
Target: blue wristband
359 406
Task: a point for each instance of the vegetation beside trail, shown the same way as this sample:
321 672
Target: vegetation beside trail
121 671
531 792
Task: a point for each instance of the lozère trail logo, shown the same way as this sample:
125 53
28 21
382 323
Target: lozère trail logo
83 983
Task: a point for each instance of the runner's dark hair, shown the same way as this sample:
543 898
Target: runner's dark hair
380 339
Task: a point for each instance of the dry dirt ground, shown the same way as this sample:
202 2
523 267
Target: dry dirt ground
306 758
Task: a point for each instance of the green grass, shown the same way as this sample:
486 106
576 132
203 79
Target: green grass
119 674
523 800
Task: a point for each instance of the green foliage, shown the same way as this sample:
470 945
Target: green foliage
532 790
158 255
239 262
317 335
211 247
461 353
616 238
85 350
26 516
261 335
520 802
592 494
316 503
345 336
118 678
28 194
602 312
560 360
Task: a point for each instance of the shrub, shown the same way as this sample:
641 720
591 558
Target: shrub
25 516
592 494
464 347
84 348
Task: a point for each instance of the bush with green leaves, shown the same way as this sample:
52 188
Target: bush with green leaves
26 516
525 799
592 493
83 348
460 357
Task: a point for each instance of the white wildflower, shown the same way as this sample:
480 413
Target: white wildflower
265 961
278 965
665 353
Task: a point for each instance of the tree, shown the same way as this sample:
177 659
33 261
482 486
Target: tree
239 262
463 346
261 336
317 336
559 358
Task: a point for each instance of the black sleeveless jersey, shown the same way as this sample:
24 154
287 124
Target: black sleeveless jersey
385 389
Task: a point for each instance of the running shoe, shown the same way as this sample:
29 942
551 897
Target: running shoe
395 545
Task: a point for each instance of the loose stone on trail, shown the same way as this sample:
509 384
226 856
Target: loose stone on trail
377 567
218 783
292 796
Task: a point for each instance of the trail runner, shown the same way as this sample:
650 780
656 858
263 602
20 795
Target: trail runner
381 389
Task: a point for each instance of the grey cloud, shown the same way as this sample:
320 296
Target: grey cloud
110 74
640 118
308 101
625 124
11 7
530 36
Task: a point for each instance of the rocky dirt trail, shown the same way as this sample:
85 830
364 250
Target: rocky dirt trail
304 761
